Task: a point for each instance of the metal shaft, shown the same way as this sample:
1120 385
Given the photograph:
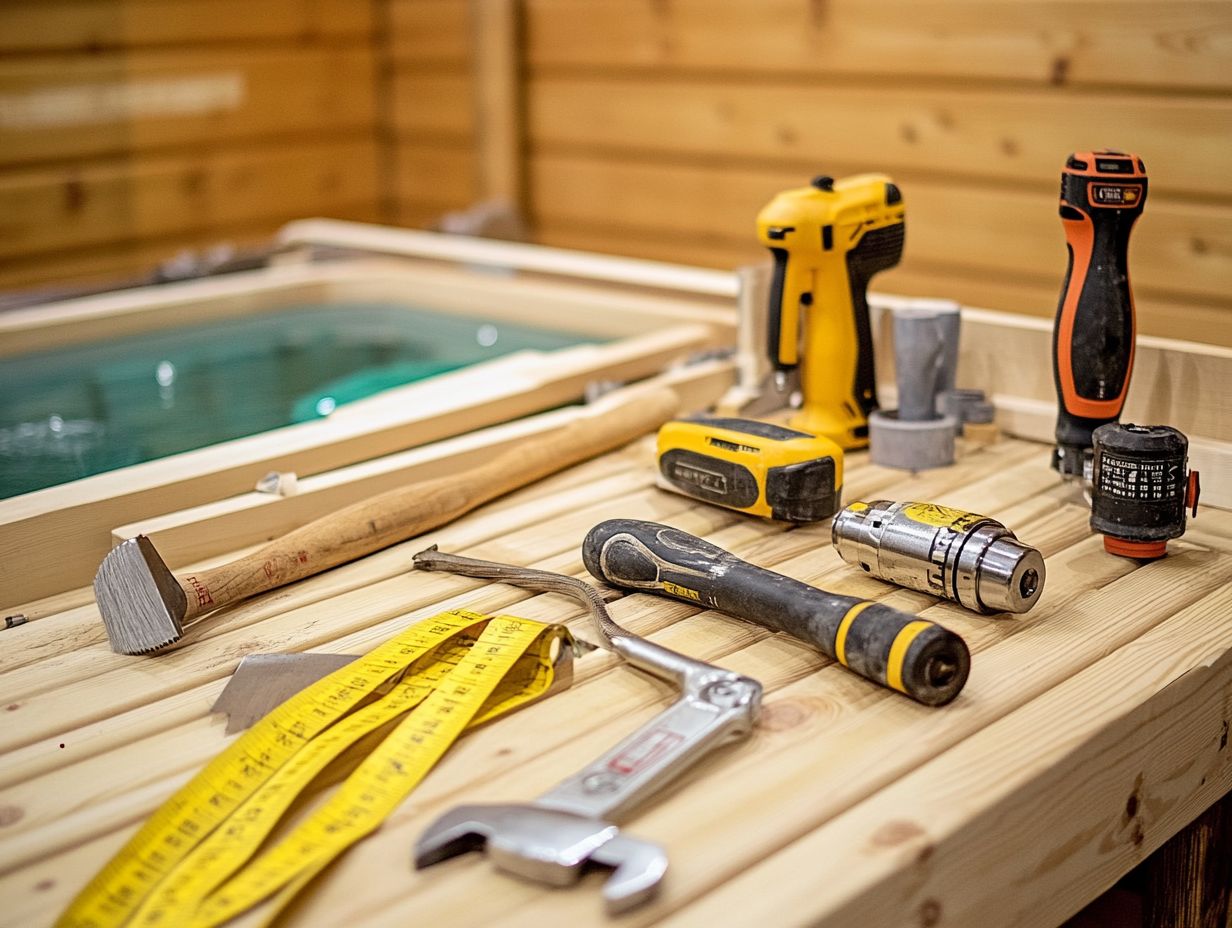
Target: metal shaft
968 558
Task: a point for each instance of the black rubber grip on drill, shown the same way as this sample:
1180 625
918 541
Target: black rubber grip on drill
878 250
1100 330
654 558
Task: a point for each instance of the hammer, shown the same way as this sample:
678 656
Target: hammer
144 605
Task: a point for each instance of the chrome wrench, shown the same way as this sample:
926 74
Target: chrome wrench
550 839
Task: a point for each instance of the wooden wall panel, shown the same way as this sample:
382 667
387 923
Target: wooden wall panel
949 224
56 208
132 129
92 25
58 107
968 133
127 260
660 127
1141 43
1156 315
431 110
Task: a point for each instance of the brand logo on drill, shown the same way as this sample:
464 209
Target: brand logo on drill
1114 195
702 479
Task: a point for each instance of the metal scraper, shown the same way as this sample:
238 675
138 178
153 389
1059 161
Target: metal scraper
264 681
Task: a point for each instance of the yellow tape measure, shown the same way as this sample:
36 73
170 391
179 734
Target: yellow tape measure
186 866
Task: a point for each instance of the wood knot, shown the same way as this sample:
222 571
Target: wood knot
894 833
1060 70
74 195
1131 805
787 135
930 913
908 134
43 885
12 707
783 715
10 815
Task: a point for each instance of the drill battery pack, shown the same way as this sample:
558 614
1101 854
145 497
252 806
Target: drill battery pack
755 467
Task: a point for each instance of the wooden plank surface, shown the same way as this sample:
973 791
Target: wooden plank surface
1199 322
93 25
1179 250
206 193
841 779
1044 42
971 132
62 106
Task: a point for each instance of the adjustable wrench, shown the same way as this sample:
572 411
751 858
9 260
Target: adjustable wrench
550 839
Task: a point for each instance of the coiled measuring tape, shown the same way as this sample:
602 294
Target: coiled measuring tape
188 865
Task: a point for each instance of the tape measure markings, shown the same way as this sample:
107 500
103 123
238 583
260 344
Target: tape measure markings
231 845
298 739
385 777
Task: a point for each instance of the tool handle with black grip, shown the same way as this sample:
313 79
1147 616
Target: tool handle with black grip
1102 195
893 648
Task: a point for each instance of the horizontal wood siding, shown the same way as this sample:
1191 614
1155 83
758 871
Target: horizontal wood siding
133 129
660 127
432 115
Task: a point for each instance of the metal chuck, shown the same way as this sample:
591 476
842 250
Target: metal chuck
970 559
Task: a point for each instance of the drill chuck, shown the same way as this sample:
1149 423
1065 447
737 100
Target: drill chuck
970 559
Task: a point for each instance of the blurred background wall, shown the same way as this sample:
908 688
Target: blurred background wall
654 128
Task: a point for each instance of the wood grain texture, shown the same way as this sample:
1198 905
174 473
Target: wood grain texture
90 25
1179 249
1198 322
1042 42
1188 883
434 177
200 194
969 132
430 32
835 756
67 106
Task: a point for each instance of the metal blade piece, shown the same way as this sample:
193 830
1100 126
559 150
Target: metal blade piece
263 682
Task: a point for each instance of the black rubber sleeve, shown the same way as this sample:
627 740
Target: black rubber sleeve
932 662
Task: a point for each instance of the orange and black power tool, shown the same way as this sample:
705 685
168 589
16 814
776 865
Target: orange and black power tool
1102 194
828 240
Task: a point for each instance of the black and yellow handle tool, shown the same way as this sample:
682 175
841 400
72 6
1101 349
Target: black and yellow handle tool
754 467
895 649
828 240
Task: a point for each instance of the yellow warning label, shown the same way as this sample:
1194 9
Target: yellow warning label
941 516
675 589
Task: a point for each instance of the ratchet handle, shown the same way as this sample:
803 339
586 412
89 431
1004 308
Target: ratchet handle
895 649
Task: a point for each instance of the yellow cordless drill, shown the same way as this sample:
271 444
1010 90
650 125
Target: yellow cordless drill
828 239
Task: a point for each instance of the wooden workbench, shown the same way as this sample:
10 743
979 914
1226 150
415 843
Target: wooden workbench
1091 729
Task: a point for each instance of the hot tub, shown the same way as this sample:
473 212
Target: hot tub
510 331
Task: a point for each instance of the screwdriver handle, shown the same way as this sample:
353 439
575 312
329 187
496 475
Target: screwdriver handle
893 648
1102 195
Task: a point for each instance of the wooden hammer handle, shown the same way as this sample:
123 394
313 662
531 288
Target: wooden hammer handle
396 515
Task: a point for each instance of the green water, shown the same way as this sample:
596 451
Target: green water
92 408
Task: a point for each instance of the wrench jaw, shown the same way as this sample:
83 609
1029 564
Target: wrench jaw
548 846
639 867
